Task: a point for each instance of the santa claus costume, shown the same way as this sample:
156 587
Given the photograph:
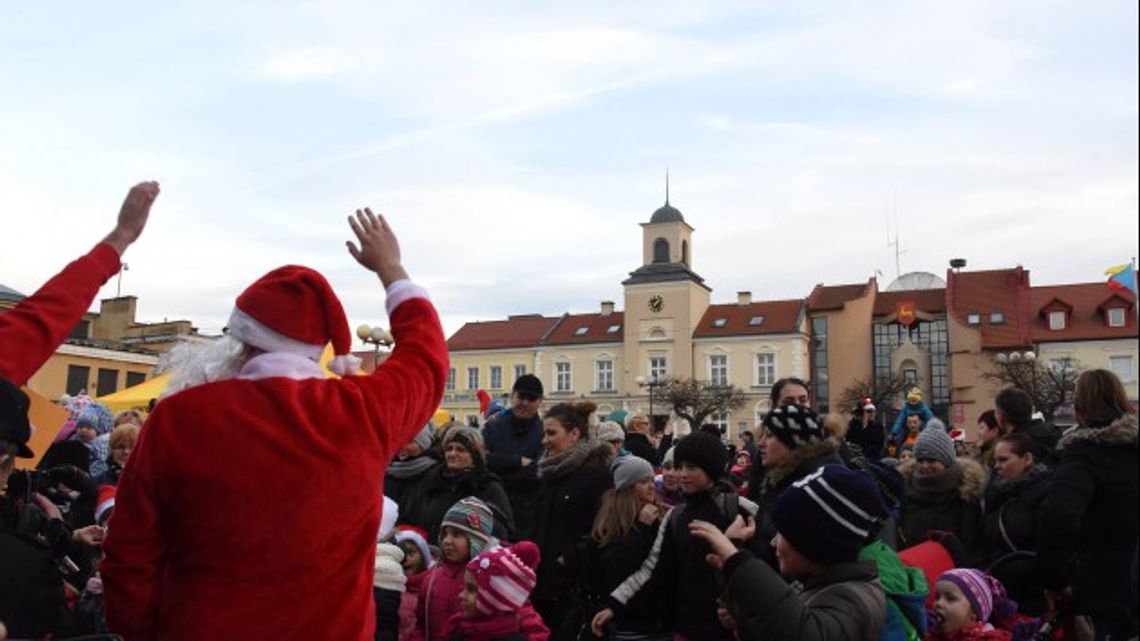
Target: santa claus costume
250 506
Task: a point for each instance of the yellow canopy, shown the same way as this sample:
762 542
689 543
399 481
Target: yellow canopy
47 418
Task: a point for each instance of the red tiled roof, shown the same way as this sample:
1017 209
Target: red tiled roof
569 331
515 332
985 292
780 317
828 297
932 301
1086 320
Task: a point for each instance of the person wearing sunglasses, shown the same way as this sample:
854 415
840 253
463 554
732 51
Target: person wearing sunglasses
514 443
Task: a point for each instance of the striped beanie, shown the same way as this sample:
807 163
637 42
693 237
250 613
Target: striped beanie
794 425
830 514
985 593
474 518
505 576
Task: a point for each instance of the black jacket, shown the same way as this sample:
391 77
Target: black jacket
1088 530
1012 511
509 440
31 586
950 502
640 446
872 438
1045 438
425 503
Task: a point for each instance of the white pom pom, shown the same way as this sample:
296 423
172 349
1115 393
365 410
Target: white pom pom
344 365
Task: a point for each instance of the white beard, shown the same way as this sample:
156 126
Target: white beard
191 364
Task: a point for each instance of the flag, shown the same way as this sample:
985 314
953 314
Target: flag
1122 277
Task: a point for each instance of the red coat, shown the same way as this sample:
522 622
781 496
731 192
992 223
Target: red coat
439 600
249 508
526 623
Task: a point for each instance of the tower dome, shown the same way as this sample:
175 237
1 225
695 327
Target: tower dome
667 214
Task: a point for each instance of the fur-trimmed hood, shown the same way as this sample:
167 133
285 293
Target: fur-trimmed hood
1121 433
970 488
827 447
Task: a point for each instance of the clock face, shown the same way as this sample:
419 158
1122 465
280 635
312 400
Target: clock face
656 303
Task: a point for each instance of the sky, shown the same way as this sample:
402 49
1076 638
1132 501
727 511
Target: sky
515 147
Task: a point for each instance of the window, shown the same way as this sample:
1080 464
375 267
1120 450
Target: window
660 251
604 376
720 420
756 321
718 369
973 318
1122 367
765 369
1059 365
77 378
657 368
450 386
1116 317
720 322
910 377
520 371
997 318
821 379
107 382
135 378
472 378
496 374
613 329
562 377
929 335
1056 321
581 331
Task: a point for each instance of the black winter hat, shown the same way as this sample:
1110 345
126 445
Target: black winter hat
528 384
703 450
830 514
14 425
794 425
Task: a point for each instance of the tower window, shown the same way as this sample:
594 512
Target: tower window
660 251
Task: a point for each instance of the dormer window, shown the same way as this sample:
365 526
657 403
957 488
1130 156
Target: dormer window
756 321
613 329
973 318
1115 316
1058 320
581 331
720 322
997 318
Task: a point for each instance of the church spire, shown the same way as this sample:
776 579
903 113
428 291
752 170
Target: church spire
666 184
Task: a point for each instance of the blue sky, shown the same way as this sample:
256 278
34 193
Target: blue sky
515 146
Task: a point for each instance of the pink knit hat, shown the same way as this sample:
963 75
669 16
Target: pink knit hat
985 593
505 576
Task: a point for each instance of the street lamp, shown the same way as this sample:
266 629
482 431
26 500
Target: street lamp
377 337
652 383
1018 359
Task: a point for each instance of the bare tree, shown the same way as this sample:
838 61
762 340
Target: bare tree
882 390
695 400
1051 385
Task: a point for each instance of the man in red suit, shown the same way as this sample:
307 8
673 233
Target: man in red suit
251 503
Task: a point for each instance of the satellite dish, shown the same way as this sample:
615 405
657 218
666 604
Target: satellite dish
916 280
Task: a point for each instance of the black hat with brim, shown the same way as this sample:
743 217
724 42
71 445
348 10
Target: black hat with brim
14 425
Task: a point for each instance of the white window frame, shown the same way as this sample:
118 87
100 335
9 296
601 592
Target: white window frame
520 371
658 367
720 419
450 385
563 377
1058 320
495 376
472 377
1126 376
718 372
762 368
604 375
997 318
1117 312
973 318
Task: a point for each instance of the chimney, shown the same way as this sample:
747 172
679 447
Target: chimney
743 298
607 308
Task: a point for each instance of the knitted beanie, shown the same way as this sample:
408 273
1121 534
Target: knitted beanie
505 576
96 416
424 436
418 538
609 431
388 516
471 440
794 425
628 470
934 443
830 514
472 517
704 451
985 593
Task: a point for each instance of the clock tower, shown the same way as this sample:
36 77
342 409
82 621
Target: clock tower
664 301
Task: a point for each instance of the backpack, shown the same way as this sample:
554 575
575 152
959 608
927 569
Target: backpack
730 504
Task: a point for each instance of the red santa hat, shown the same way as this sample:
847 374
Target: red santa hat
106 502
293 309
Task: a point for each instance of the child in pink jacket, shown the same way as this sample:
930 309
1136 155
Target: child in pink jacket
465 532
496 606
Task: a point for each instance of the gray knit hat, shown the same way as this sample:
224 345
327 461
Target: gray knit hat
934 443
424 436
628 470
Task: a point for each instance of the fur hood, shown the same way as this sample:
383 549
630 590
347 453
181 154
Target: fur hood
972 486
827 447
1121 433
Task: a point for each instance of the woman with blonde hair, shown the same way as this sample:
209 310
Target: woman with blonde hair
121 443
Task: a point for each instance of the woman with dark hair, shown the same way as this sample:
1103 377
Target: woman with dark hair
988 432
786 391
1087 539
573 474
464 473
1009 525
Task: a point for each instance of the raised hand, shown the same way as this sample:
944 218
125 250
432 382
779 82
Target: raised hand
721 545
133 216
379 250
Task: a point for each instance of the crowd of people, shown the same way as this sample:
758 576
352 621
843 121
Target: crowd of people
261 500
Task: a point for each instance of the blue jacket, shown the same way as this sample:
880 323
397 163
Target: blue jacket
899 428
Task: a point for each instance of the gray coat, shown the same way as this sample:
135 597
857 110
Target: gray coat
844 603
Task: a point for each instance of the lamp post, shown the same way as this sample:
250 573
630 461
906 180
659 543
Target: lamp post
652 383
377 337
